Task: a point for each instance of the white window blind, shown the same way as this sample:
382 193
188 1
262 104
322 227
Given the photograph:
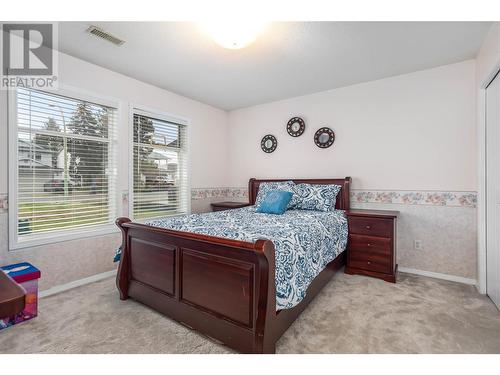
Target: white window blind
160 175
65 164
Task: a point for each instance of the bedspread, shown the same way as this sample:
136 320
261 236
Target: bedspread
305 241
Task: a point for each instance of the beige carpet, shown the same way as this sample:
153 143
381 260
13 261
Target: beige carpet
353 314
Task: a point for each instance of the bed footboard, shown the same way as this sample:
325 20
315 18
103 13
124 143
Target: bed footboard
222 288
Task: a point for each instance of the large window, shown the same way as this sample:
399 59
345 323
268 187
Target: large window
64 165
160 178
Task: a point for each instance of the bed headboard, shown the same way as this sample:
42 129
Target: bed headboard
342 203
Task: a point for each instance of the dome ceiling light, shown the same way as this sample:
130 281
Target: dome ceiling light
233 34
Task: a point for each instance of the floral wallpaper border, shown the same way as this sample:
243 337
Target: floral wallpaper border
4 203
414 197
223 192
431 198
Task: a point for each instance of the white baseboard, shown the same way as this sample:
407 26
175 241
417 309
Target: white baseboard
76 283
436 275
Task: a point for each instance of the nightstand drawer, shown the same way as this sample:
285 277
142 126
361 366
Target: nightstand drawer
371 227
370 245
370 264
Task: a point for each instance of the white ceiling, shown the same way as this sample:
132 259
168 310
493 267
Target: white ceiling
289 59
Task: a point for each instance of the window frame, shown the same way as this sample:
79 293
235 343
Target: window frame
67 234
160 115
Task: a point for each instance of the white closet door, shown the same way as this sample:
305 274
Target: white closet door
493 190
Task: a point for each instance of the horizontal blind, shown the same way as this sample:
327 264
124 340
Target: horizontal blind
66 163
160 175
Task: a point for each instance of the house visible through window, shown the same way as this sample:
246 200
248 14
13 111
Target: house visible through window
159 167
64 164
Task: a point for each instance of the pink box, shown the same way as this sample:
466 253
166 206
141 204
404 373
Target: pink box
27 276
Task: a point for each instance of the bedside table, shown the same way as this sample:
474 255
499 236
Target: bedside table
221 206
371 247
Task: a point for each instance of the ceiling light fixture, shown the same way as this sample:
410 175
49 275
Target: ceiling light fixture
234 34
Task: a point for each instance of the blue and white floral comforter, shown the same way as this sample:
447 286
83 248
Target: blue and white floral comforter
305 241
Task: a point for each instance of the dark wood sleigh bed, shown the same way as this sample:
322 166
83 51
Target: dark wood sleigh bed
222 288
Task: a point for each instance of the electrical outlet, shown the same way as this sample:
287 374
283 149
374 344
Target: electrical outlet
418 245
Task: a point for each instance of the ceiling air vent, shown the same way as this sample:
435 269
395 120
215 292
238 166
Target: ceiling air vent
100 33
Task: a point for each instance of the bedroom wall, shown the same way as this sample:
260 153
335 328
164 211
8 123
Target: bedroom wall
408 142
64 262
487 66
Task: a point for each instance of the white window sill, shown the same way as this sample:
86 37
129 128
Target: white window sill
29 241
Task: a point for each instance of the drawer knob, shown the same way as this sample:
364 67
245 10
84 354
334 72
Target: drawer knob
368 262
368 227
368 244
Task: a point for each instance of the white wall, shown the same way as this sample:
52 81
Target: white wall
487 65
72 260
411 132
414 131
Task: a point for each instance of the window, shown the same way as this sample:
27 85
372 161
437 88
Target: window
160 176
64 165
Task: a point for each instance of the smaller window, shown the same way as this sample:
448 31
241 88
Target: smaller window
160 186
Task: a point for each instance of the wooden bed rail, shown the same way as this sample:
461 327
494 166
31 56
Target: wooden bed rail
259 245
221 287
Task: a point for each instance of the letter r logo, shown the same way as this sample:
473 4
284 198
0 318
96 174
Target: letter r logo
27 49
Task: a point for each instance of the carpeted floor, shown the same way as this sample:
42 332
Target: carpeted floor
353 314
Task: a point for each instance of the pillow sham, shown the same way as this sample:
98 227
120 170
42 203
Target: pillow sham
275 202
315 197
266 187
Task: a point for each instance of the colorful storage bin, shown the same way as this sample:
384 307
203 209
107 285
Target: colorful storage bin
26 275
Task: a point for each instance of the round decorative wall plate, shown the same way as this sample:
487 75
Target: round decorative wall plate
324 137
269 143
295 126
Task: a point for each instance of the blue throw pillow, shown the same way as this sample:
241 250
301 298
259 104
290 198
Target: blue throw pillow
275 202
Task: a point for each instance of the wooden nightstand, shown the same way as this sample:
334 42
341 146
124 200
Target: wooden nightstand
221 206
371 248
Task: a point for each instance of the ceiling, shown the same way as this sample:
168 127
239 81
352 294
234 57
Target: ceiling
289 59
